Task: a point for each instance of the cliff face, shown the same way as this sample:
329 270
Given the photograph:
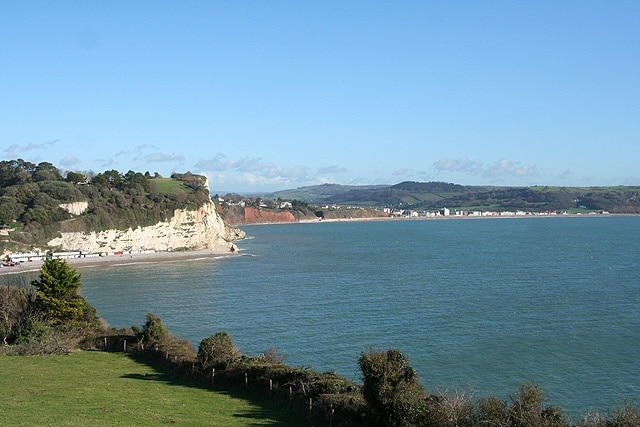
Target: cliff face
202 228
75 208
255 216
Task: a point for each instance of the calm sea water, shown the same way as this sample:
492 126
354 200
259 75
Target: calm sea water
477 305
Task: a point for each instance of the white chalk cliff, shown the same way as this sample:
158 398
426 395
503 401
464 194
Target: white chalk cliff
197 229
75 208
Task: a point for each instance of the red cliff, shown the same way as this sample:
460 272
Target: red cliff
254 216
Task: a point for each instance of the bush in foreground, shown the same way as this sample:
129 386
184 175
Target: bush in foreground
217 351
391 388
49 316
391 394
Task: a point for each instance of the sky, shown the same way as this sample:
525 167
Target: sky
272 95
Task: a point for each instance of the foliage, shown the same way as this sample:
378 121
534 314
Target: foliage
625 416
58 295
452 410
15 306
28 329
31 195
434 195
75 177
391 388
154 331
217 351
33 332
493 412
271 355
528 410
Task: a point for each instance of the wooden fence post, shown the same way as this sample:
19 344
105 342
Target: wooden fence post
331 416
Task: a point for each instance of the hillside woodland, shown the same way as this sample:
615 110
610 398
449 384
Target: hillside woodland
435 195
31 195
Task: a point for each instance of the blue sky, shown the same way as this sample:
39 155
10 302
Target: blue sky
270 95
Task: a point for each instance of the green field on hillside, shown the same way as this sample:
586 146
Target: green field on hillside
90 388
167 185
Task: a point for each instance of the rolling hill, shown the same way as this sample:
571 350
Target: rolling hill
434 195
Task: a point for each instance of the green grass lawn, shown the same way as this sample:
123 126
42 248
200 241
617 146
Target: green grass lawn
90 388
167 185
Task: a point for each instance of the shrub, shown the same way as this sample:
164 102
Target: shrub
593 420
272 356
14 303
34 329
492 412
154 331
217 351
392 389
626 416
527 410
452 410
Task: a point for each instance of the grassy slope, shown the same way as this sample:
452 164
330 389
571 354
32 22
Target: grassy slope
108 389
166 185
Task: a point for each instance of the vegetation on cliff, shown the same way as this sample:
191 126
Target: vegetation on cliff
31 195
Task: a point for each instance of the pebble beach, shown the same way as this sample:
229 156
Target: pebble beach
121 259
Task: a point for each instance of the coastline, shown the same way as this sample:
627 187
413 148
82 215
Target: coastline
168 256
123 259
436 218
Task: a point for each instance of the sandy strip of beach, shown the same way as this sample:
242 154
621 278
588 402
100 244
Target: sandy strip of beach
115 260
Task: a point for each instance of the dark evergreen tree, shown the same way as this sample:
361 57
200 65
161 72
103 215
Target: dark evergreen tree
58 293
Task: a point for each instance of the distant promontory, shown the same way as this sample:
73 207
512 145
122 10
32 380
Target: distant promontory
40 209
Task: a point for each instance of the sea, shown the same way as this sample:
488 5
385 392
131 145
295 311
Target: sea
479 306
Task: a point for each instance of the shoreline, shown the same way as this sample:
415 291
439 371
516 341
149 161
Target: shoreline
436 218
168 256
124 259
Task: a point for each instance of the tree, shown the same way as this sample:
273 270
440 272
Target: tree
57 292
45 171
391 388
10 209
75 177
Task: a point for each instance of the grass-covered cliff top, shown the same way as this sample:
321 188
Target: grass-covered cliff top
31 195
